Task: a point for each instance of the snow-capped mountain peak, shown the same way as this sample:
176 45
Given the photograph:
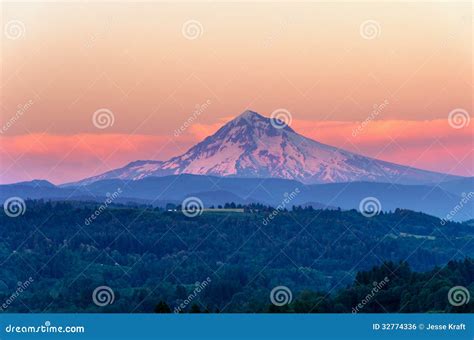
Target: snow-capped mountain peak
257 121
251 146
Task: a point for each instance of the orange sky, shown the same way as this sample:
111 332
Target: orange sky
70 60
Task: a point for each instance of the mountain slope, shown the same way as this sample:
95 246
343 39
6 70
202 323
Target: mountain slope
251 146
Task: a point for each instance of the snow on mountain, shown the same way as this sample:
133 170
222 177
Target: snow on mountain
250 146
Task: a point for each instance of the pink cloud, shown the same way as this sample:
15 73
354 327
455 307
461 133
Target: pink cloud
431 145
66 158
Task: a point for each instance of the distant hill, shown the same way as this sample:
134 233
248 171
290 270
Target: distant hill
159 191
458 186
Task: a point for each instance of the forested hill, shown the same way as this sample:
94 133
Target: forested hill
401 291
148 255
388 288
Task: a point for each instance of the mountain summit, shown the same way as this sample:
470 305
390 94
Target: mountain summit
251 145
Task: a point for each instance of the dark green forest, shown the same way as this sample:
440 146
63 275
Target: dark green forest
405 291
154 260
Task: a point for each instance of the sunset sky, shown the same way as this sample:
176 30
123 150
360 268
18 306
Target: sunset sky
151 64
